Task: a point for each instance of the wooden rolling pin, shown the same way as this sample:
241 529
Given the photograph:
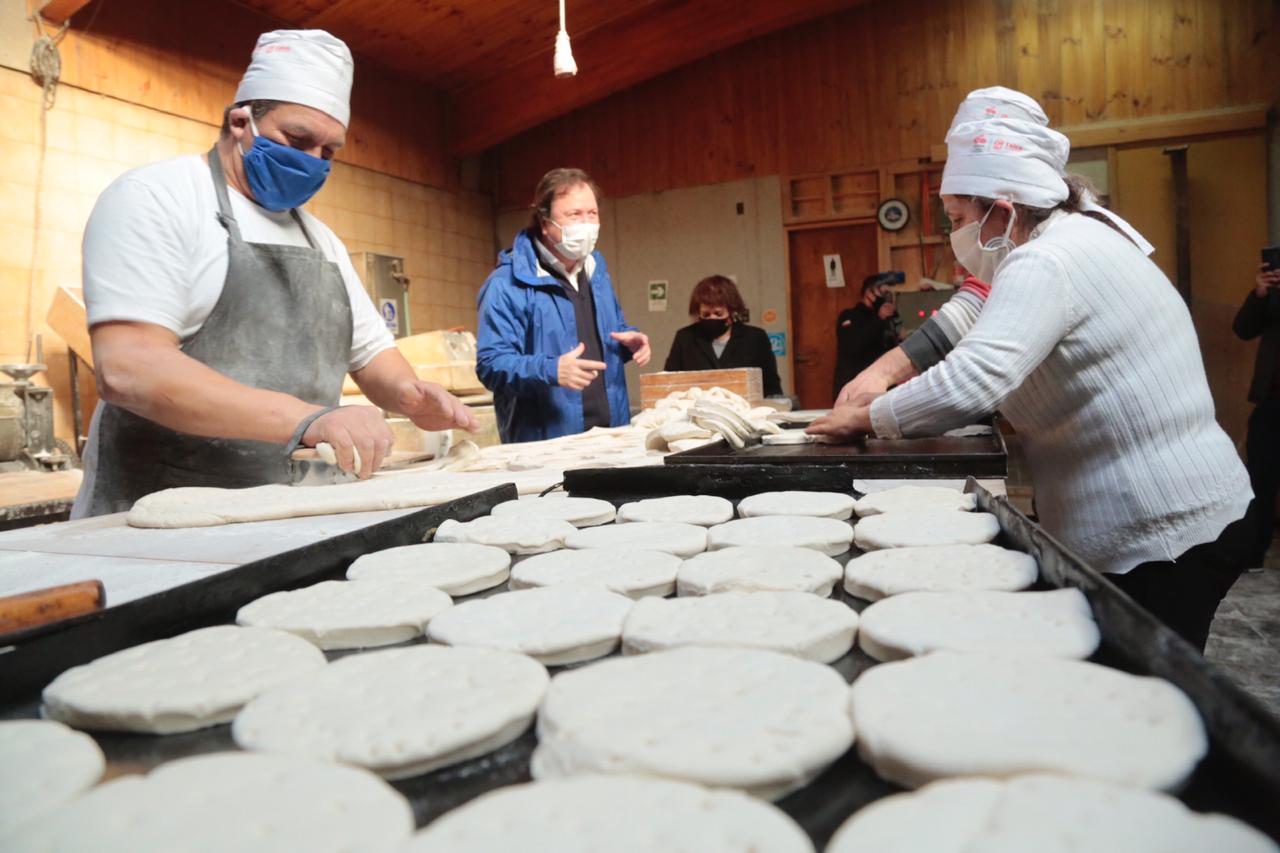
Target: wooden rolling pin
42 606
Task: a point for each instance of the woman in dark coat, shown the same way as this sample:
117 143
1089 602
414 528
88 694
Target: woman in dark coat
719 337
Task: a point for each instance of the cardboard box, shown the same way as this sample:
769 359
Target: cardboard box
745 381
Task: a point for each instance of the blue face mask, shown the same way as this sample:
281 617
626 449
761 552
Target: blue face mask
281 177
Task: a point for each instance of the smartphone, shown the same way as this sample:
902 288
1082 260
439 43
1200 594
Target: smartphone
1271 257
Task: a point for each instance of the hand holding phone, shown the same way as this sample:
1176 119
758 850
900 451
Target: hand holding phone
1268 277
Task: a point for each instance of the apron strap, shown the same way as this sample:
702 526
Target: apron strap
305 233
306 423
225 217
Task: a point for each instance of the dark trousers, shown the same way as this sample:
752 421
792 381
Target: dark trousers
1184 593
1263 450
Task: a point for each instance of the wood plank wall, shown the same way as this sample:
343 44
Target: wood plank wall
879 83
185 58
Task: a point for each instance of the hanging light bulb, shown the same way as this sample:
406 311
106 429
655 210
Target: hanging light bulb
563 63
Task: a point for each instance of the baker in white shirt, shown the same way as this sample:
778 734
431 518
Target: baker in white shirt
224 319
1131 469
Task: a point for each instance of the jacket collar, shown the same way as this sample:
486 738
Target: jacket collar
526 266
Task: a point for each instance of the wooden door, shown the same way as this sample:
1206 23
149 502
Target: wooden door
814 306
1228 209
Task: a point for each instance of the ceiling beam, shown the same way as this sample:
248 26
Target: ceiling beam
58 11
616 57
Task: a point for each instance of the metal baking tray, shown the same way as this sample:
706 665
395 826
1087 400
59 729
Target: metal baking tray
945 456
1241 776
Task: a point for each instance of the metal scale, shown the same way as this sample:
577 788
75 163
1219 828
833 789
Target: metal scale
27 442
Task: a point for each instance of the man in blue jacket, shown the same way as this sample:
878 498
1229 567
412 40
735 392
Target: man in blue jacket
553 341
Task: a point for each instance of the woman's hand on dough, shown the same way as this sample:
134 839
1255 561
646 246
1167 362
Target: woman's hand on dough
351 428
430 407
845 422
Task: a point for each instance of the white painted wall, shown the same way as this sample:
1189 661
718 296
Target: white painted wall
681 236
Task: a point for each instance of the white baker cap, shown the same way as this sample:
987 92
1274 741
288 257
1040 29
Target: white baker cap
998 102
308 67
1007 158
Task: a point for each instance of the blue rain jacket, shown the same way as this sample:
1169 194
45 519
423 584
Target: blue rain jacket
526 323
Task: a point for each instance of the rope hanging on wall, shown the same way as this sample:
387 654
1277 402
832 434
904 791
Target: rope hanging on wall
46 62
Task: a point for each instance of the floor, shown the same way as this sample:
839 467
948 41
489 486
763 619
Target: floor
1245 637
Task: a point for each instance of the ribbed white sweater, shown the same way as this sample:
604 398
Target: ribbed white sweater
1090 353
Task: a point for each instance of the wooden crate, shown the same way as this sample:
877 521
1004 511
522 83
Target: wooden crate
746 381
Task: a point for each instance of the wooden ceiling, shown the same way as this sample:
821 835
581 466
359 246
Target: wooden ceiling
493 57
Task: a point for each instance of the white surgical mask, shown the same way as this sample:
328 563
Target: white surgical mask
980 260
577 239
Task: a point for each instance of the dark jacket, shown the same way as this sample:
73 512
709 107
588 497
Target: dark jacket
748 346
1261 316
861 338
526 323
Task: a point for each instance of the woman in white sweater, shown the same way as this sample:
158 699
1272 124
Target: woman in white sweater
1091 354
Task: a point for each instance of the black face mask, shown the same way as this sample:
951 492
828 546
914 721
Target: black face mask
712 328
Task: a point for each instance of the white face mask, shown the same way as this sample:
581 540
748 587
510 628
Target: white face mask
982 261
577 239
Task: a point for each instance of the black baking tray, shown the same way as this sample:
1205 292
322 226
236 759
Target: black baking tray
910 458
1241 775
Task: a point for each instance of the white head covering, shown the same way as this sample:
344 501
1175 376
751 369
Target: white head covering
998 102
1001 102
1006 158
308 67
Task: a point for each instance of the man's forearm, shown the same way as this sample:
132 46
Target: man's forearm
382 378
174 390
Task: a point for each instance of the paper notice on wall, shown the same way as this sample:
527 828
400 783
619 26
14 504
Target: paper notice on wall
778 343
657 296
834 270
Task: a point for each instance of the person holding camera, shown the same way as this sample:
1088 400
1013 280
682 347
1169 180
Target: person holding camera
866 331
1259 316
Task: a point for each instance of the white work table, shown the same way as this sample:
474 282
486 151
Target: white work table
134 562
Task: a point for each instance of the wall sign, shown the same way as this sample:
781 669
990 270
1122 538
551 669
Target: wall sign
778 343
657 296
834 270
390 314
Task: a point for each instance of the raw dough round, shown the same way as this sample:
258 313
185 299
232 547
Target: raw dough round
43 764
910 529
789 436
939 568
632 572
1009 714
399 712
794 623
683 540
704 510
188 682
350 614
228 801
915 499
516 535
1058 623
458 568
1048 814
759 568
621 814
732 718
580 512
555 625
830 536
817 504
